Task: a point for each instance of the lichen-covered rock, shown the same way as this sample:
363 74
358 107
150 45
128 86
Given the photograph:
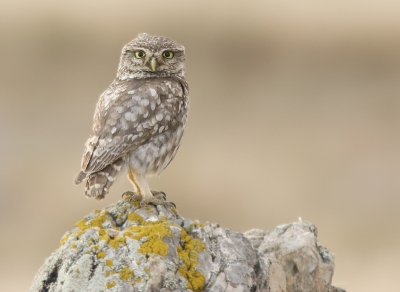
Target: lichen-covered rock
295 261
128 248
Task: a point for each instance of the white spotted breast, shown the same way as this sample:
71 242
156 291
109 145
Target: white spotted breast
143 118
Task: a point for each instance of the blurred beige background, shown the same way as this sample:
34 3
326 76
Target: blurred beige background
295 111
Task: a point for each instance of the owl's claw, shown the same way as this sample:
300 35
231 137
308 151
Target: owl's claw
159 198
159 195
132 196
154 201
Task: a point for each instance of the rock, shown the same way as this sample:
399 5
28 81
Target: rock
295 261
127 248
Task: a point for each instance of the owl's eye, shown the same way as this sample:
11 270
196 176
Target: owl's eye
168 54
139 54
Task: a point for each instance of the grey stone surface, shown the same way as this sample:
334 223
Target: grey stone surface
128 248
295 260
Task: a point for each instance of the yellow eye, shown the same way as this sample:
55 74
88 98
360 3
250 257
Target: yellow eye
168 54
139 54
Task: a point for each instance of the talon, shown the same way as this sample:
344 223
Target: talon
132 196
159 195
158 198
154 201
127 194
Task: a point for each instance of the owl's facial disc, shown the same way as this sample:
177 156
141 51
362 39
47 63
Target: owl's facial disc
151 56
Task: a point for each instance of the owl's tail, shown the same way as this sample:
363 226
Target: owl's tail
98 183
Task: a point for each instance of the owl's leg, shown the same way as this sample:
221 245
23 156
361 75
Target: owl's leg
140 184
143 192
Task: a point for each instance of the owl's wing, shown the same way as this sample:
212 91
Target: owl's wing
129 114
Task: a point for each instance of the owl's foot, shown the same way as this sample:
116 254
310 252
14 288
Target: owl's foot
159 198
132 196
159 195
154 201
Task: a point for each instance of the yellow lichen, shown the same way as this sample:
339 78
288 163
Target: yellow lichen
189 255
64 239
81 224
154 233
117 241
98 221
126 274
110 284
156 247
105 237
109 263
95 223
135 218
196 225
77 271
101 254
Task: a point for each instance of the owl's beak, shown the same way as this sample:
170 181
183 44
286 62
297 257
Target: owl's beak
153 64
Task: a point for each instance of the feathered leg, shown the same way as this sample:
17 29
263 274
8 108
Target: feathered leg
142 191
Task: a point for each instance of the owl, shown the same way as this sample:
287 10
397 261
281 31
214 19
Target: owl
139 120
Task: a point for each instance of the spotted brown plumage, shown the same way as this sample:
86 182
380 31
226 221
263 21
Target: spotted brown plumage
139 120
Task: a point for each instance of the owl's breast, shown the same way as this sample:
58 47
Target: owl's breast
152 157
164 106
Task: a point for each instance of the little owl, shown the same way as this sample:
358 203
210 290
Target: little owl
139 120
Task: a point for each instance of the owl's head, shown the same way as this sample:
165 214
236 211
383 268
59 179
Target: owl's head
152 56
